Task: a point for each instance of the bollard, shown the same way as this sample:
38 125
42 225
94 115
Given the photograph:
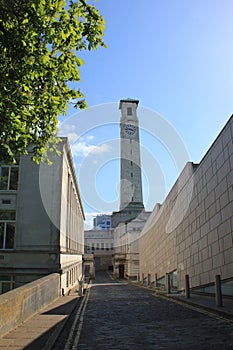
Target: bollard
148 279
187 287
167 283
156 278
80 289
218 291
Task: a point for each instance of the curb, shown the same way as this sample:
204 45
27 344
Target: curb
49 344
211 311
222 313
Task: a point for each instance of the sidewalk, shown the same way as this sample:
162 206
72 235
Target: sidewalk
206 302
197 300
41 330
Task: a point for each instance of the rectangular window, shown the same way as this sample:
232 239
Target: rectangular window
6 201
6 284
7 229
129 111
9 178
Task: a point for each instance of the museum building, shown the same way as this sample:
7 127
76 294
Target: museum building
41 221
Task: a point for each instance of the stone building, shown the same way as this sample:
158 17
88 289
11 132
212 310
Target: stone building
100 243
126 250
131 217
191 232
41 221
114 246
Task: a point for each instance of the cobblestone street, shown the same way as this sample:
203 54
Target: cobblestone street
121 316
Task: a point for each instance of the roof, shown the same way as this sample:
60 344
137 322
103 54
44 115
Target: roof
128 100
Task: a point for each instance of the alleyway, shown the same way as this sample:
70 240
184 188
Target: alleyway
120 316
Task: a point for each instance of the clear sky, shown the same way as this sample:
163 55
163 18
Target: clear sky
175 57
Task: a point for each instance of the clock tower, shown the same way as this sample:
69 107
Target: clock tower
131 202
131 182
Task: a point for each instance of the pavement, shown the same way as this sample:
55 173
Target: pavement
42 330
205 302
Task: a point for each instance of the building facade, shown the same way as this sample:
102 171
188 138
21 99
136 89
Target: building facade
100 243
126 248
41 221
102 222
191 232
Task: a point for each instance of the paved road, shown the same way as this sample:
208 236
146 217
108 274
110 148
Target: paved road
123 317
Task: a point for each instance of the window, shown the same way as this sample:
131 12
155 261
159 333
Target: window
129 111
7 229
9 178
6 284
131 174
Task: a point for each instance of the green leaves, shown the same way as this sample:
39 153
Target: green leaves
39 42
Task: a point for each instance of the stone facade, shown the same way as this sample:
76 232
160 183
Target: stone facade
131 199
41 220
192 231
100 243
126 250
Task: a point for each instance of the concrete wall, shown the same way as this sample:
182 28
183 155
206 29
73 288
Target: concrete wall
192 231
21 303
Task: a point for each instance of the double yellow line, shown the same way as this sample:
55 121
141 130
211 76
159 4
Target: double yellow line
75 331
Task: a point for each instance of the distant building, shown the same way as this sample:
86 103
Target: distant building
102 222
41 221
126 249
100 243
131 217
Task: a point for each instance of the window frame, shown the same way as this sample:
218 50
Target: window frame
5 223
6 280
9 177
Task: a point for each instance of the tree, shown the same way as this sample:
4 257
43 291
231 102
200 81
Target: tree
39 42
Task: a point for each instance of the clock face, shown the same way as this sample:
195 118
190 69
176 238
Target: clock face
130 129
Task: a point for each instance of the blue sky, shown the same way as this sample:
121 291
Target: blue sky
175 57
